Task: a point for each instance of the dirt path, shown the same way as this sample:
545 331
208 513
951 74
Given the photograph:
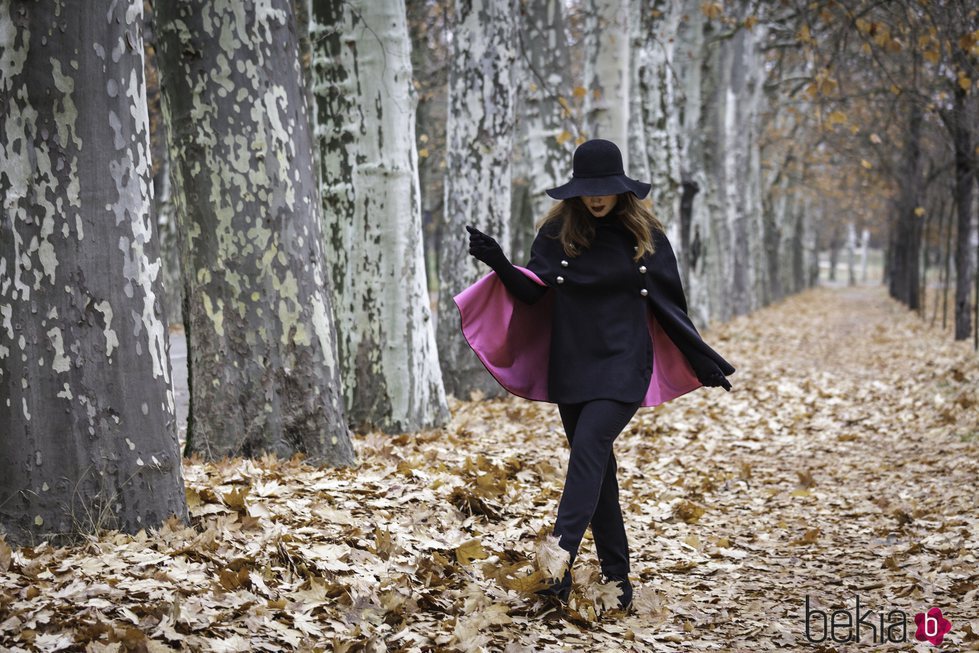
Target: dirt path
844 464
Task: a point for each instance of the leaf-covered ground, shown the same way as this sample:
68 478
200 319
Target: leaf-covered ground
845 462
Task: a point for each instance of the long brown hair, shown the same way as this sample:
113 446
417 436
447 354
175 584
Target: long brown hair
578 228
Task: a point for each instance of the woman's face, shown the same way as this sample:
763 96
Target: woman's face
599 205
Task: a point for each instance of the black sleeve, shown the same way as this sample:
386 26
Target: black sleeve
669 304
545 252
518 284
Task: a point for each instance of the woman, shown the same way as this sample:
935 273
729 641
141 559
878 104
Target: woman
600 306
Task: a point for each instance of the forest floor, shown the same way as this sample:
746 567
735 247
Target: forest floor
843 464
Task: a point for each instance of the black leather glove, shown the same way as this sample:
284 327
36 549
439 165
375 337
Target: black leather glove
708 373
716 379
485 248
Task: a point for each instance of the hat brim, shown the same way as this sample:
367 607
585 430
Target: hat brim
595 186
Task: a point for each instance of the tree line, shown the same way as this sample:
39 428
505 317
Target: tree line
289 181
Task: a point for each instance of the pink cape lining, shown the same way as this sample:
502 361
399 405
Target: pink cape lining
513 341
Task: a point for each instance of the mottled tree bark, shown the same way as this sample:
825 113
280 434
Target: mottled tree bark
547 131
654 124
261 344
87 428
162 205
477 185
372 214
607 73
426 26
721 106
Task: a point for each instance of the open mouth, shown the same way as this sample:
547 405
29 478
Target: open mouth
598 208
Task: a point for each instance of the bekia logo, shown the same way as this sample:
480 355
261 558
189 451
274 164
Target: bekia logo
932 626
842 627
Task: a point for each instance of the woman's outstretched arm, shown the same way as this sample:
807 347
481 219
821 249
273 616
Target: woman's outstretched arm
485 248
519 284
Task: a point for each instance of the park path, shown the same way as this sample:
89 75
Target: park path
844 463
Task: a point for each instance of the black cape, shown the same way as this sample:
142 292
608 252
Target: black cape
600 346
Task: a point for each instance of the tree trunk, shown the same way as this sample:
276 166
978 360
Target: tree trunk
162 206
864 244
607 73
372 215
477 184
722 102
834 249
87 428
699 184
964 180
261 343
548 132
906 238
654 122
426 26
947 271
638 63
851 254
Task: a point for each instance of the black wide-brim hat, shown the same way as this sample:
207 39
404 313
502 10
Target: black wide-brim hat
597 170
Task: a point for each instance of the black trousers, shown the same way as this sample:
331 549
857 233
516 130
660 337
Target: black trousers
591 491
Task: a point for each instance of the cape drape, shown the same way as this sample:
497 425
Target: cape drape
512 340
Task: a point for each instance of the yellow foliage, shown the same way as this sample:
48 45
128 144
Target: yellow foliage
804 35
968 42
712 10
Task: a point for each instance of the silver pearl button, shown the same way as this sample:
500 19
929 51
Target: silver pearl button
635 248
643 292
642 269
564 264
560 279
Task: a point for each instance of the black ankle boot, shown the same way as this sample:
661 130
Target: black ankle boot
560 589
625 600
